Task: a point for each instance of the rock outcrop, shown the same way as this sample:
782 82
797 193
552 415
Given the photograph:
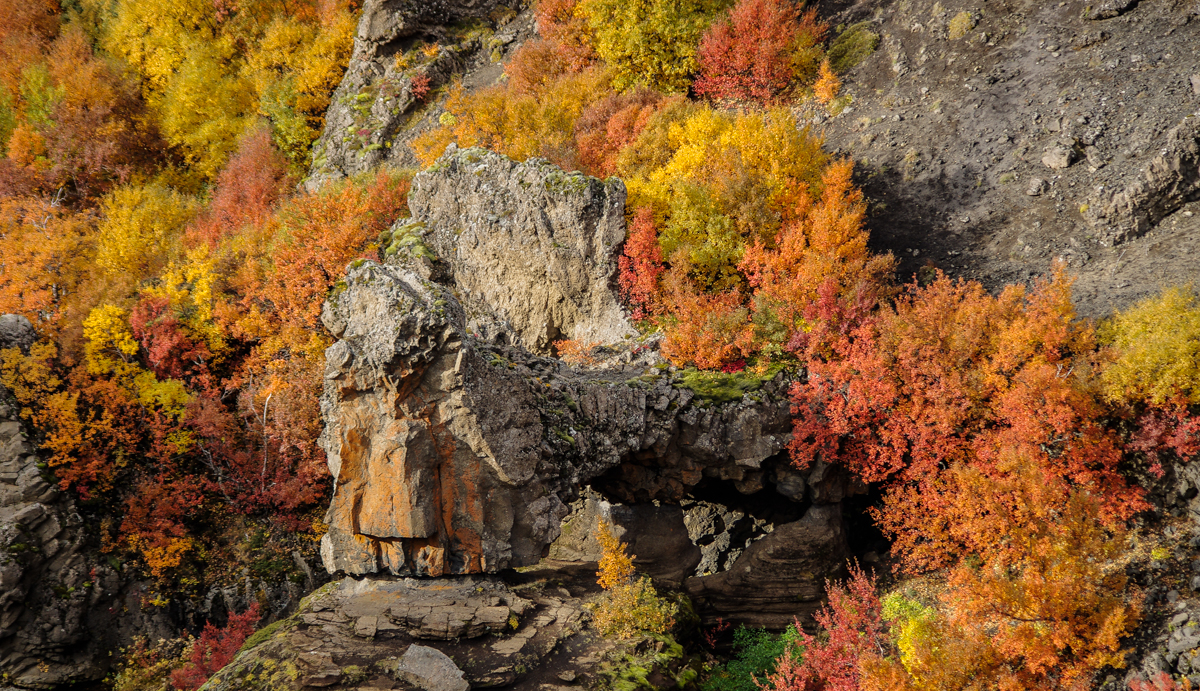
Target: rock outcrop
456 450
527 244
453 455
1171 180
58 604
451 633
376 106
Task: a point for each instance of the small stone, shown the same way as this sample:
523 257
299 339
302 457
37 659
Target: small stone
366 626
326 677
430 669
567 676
1037 187
1173 596
1196 84
1195 582
1058 157
1179 619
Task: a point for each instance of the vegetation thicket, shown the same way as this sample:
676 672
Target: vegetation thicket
1001 428
150 229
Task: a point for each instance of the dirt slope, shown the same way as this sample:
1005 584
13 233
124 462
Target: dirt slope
949 136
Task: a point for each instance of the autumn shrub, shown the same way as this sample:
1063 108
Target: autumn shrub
214 649
641 265
144 666
540 123
950 374
827 85
207 80
1039 601
1160 682
756 53
854 633
605 128
567 29
577 353
630 605
1156 346
650 43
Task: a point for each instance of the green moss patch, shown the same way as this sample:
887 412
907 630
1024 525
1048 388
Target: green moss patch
719 387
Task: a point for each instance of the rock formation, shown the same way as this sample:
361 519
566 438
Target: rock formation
58 605
376 105
1171 180
527 243
453 455
448 634
456 450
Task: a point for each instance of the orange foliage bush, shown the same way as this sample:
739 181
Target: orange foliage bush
577 353
567 31
948 375
750 55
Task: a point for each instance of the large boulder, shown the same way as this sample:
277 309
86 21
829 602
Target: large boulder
526 242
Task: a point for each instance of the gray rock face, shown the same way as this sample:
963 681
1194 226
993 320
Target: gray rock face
57 606
1171 180
16 332
527 243
780 576
376 98
452 455
370 634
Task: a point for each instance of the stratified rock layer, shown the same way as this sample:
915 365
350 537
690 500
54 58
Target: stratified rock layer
1171 180
455 456
58 607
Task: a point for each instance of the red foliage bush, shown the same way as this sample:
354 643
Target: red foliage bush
854 630
420 87
247 190
170 353
951 374
641 264
749 56
214 649
534 66
610 125
1166 428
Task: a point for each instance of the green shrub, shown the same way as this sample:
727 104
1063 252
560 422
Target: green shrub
757 651
852 46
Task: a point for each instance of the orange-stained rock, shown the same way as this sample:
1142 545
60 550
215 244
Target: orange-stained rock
454 455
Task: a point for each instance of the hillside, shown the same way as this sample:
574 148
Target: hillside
701 344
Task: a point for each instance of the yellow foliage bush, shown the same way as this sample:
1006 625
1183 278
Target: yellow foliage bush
1156 348
631 605
650 42
518 125
208 80
141 229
